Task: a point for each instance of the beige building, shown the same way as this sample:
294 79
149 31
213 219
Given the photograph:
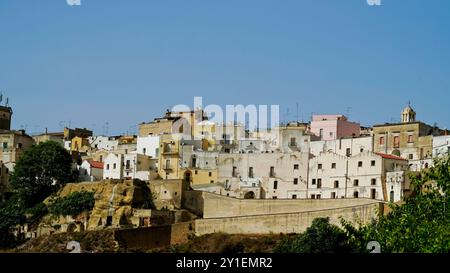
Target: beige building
173 122
278 175
13 145
56 137
410 139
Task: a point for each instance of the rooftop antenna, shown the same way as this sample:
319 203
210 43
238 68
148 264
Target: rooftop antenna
297 117
106 129
1 97
7 102
348 111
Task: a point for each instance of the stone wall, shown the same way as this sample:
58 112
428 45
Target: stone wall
216 206
285 222
154 237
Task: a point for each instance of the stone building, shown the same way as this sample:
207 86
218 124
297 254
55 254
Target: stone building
410 139
5 117
279 175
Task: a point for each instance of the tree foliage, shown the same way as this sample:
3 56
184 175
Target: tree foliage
41 171
73 204
421 224
321 237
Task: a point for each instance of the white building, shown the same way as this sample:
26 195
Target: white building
343 146
361 176
129 166
148 145
278 175
90 171
441 146
103 143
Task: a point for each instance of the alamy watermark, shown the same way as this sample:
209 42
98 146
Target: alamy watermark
255 118
374 2
73 2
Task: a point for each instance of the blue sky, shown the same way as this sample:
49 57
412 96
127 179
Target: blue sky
126 61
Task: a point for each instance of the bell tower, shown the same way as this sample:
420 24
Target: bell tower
5 117
408 114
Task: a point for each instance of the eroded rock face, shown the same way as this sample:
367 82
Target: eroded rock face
113 208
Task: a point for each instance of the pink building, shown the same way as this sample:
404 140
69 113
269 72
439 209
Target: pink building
330 127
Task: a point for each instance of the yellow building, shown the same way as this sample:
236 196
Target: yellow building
197 176
169 156
173 123
78 144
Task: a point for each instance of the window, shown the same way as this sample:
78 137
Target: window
212 181
411 156
274 197
275 185
318 196
272 172
296 167
114 166
355 194
210 174
360 164
234 171
396 142
336 184
313 196
250 172
372 163
319 166
295 181
356 182
196 172
293 142
410 139
333 165
333 195
321 133
314 181
319 183
128 164
294 196
144 151
19 145
168 164
373 193
107 166
373 181
382 140
348 152
101 158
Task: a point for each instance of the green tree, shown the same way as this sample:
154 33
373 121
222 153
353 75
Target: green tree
421 224
321 237
41 171
73 204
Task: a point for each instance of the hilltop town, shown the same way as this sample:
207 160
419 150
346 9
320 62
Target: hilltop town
225 178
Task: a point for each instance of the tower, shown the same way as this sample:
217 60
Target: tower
5 117
408 114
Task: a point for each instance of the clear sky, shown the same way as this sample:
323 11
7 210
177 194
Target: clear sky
126 61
